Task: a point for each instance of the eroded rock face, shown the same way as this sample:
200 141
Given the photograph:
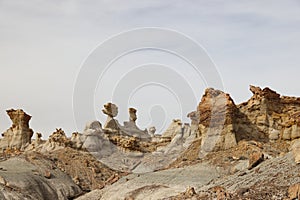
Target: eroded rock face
216 118
275 116
265 117
18 136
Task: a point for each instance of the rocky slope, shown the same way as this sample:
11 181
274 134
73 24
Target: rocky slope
229 151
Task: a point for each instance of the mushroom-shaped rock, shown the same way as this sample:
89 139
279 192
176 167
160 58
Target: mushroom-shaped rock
18 136
111 110
152 131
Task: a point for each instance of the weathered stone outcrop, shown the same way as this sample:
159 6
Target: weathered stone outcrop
95 141
56 141
266 116
152 131
129 129
174 129
18 136
216 118
195 117
275 116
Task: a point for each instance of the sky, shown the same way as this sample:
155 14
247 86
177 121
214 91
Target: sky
45 45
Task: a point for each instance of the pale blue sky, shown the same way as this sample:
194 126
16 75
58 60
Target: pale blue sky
44 43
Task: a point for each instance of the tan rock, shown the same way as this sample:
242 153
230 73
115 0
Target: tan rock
57 140
274 134
38 139
76 140
295 148
255 159
294 191
132 114
47 174
18 136
2 180
287 133
295 133
217 112
190 191
110 109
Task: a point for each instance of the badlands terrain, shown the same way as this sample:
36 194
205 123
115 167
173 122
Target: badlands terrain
227 151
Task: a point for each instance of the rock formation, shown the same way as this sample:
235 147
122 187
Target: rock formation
266 116
195 117
216 117
95 141
229 151
18 136
132 114
56 141
111 110
174 129
276 117
38 139
152 131
76 140
130 127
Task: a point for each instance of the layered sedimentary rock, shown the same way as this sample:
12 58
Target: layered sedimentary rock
18 136
266 116
274 115
216 117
